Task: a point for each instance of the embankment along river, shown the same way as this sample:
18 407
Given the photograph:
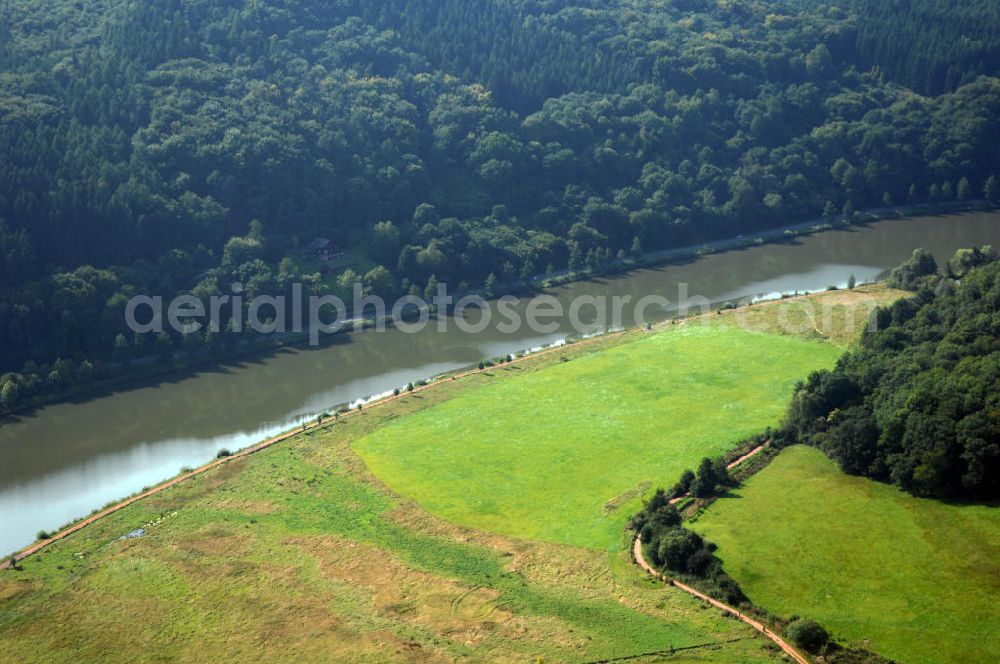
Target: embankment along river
62 461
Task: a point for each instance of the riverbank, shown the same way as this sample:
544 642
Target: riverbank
66 460
758 238
300 531
180 363
335 413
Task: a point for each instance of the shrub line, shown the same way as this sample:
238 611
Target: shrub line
752 453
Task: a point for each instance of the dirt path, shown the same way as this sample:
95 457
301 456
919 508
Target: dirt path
640 560
755 451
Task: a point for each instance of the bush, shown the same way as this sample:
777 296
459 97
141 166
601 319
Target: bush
699 562
728 589
42 535
223 453
658 500
676 547
704 484
909 275
666 516
683 486
9 394
722 477
807 634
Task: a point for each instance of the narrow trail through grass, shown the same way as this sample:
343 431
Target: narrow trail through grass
640 560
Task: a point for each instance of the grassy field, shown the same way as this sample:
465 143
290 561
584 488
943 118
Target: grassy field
300 552
914 580
548 456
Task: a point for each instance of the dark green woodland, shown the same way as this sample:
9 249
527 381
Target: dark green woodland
177 147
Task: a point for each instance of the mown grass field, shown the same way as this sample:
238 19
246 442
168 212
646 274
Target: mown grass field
914 580
299 553
566 454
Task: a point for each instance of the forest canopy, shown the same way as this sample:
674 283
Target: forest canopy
176 147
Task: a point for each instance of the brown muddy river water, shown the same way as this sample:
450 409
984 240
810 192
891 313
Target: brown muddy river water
62 461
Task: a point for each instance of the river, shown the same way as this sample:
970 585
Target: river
64 460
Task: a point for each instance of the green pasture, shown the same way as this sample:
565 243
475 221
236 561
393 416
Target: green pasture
565 454
915 580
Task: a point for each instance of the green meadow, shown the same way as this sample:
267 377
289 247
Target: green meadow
915 580
565 455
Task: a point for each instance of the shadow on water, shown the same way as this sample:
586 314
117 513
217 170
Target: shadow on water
169 375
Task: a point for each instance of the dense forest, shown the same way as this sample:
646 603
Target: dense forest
168 147
895 41
917 403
